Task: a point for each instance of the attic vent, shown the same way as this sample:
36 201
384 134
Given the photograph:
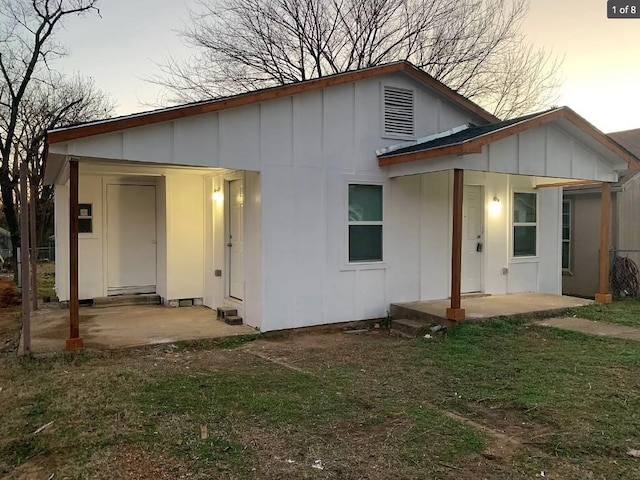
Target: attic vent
398 112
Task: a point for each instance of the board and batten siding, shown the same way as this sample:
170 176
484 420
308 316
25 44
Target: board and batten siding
179 230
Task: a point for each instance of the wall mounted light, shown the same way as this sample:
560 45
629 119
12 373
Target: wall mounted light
217 195
495 207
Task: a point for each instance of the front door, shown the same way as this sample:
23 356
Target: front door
235 280
472 239
131 239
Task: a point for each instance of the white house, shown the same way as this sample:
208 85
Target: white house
322 201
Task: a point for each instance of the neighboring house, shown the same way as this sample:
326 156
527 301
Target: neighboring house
581 206
304 204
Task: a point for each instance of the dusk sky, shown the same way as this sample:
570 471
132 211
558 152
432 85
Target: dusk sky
601 69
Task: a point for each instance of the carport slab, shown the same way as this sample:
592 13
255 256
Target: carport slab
131 326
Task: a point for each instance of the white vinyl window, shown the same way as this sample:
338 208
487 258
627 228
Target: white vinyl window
398 113
525 224
566 235
365 223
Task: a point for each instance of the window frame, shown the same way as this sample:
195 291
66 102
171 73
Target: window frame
383 130
515 224
568 241
349 223
86 217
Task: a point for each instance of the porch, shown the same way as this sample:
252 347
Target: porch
130 326
478 307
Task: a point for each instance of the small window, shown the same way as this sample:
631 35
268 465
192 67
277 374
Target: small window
365 223
398 113
85 218
525 224
566 235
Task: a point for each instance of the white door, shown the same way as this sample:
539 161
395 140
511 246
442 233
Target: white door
131 239
472 239
235 240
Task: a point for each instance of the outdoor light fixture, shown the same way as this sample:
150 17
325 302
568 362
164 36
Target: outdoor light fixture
217 195
495 207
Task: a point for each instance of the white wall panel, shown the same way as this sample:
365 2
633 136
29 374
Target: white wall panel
153 143
196 140
308 114
240 138
559 154
339 128
550 240
435 237
404 249
185 236
531 147
253 249
276 133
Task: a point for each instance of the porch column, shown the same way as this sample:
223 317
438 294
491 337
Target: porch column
455 312
74 342
603 295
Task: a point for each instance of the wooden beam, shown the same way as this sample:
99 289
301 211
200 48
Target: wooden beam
456 149
455 312
33 203
568 183
603 295
24 261
74 342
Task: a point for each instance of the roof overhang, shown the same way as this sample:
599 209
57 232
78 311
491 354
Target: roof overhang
563 117
173 113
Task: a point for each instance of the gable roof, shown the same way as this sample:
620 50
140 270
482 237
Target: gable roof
208 106
472 139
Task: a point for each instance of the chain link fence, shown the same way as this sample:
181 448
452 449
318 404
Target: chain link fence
624 276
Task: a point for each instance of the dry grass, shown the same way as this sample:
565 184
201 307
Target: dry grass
502 400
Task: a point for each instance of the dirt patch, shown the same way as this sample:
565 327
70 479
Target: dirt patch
132 463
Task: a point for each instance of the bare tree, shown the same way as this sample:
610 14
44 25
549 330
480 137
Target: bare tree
27 45
59 101
473 46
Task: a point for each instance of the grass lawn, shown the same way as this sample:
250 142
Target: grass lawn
623 312
499 400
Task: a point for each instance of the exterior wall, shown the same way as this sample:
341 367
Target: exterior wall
583 277
215 294
545 151
180 235
299 154
628 217
420 237
313 145
184 236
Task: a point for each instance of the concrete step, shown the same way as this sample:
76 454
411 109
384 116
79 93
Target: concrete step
233 320
224 312
125 300
408 326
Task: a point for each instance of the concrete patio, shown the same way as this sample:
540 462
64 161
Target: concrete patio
487 306
130 326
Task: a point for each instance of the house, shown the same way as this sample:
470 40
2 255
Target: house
321 201
580 232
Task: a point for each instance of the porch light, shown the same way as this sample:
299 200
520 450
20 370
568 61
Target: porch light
495 207
217 195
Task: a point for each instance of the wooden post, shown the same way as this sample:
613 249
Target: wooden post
603 295
455 312
24 259
74 342
33 193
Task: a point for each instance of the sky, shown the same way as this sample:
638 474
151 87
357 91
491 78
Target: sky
600 71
